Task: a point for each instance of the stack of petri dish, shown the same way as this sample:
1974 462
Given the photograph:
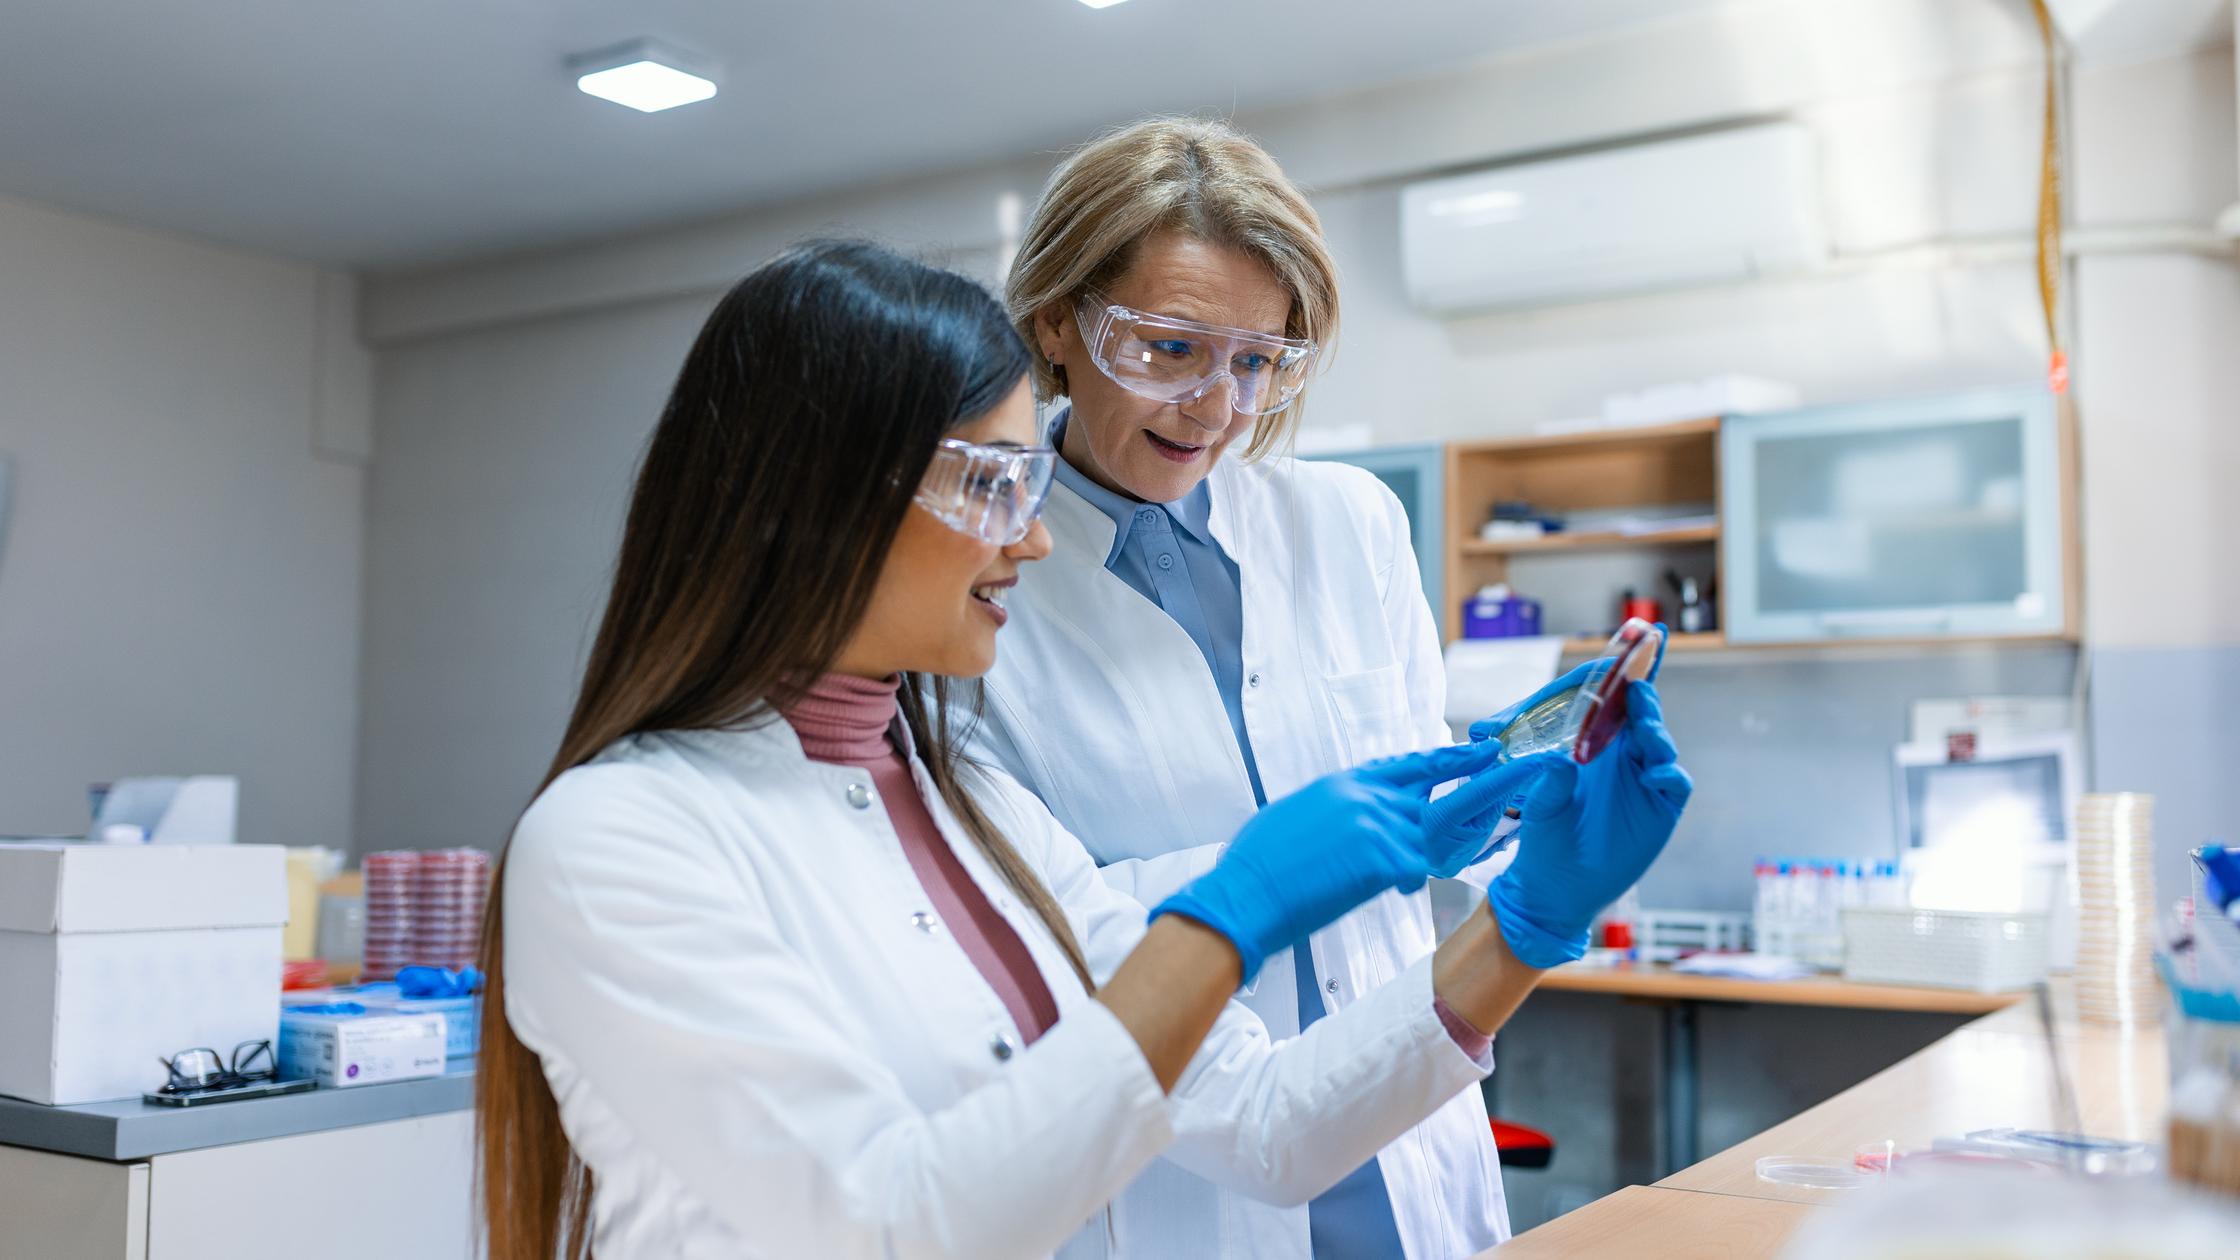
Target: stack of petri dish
449 891
390 879
2115 975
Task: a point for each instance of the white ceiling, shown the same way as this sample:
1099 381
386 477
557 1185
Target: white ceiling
392 134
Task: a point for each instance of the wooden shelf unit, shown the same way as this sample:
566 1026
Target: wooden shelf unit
1590 541
1705 641
1595 470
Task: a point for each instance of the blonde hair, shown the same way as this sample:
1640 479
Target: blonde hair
1199 177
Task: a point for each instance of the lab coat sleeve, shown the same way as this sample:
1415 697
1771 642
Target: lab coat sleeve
1283 1121
644 961
1149 881
1278 1121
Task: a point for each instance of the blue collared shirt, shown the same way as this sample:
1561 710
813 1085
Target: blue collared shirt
1166 553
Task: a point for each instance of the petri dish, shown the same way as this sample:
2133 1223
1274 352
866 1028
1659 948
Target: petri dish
1877 1158
1549 726
1812 1173
1601 702
1583 720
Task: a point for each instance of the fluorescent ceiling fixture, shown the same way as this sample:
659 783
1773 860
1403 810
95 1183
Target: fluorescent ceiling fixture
641 74
1100 4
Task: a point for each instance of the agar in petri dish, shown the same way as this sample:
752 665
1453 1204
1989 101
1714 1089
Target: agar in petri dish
1600 707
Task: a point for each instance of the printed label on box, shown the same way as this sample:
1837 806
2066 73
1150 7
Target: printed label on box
342 1050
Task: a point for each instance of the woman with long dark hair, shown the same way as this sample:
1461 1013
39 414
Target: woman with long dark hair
774 972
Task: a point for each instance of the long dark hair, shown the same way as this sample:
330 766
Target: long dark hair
798 430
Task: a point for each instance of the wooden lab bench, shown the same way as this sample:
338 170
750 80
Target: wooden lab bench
1992 1072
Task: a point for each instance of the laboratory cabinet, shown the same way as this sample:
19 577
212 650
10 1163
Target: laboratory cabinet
1638 502
1923 518
365 1192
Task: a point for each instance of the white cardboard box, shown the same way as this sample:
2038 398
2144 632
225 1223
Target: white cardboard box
113 957
338 1050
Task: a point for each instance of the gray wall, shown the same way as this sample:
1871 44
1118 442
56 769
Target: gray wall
2166 721
179 590
494 513
1791 752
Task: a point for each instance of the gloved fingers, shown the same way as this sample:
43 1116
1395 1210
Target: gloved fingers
1672 782
1557 790
1434 766
1488 727
1650 740
1403 863
1486 794
1664 640
1413 872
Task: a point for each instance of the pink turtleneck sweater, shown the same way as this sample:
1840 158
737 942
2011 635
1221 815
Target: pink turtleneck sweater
851 722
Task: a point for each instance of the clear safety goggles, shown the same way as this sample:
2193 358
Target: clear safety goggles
992 493
1180 360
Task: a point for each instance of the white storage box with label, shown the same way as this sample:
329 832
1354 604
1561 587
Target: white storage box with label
113 957
359 1048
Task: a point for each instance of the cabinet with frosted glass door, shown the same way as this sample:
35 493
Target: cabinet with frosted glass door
1925 518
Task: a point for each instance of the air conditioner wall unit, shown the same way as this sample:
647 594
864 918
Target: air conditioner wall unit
1705 209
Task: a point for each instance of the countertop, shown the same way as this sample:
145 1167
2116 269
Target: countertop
1658 982
133 1130
1993 1071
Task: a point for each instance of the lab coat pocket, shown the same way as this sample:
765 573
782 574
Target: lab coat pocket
1370 712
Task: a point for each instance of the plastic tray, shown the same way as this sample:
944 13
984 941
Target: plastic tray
1949 949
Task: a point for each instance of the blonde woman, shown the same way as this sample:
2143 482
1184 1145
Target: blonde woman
1219 625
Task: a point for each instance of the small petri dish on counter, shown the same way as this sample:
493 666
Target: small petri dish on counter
1813 1173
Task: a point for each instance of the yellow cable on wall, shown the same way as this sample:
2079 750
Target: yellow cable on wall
2049 209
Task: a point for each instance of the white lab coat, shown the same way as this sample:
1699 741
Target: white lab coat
1101 705
764 1044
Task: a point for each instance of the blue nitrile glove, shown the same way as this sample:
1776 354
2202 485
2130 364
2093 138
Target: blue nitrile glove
438 982
1458 827
1309 857
1488 727
1589 833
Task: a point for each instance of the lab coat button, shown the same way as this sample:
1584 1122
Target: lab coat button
1253 680
1330 986
859 796
1000 1046
925 923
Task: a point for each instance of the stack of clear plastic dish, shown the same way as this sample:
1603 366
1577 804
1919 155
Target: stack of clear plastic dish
2116 981
449 891
390 878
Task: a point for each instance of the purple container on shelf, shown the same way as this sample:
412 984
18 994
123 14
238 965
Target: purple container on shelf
1496 612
